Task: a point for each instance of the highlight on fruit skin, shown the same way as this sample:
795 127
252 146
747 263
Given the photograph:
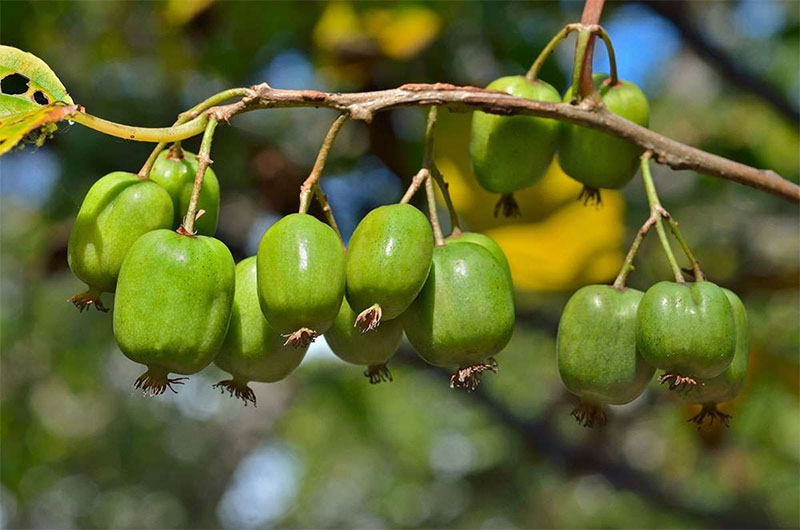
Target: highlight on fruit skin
373 349
596 351
484 241
388 260
118 209
464 315
252 350
510 153
173 305
687 330
726 385
301 277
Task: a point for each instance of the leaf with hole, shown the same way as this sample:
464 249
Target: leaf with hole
32 97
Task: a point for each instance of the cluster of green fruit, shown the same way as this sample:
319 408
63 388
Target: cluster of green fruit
610 342
513 153
181 303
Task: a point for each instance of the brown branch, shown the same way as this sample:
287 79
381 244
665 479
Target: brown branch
363 105
592 10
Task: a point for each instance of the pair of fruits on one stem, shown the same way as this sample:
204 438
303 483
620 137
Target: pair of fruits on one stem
610 341
121 207
510 153
454 302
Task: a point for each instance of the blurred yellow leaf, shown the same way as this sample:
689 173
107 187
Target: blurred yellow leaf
179 12
337 27
402 32
557 243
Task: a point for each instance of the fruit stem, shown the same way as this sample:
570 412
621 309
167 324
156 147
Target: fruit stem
627 265
203 161
673 226
579 66
455 224
612 57
188 115
657 211
415 185
533 72
437 229
309 186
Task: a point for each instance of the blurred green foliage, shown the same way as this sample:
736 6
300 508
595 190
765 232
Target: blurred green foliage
80 448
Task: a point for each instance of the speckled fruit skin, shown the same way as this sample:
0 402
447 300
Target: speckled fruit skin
117 210
597 159
353 346
301 274
252 350
726 385
174 301
388 259
510 153
486 242
596 346
177 177
686 329
465 312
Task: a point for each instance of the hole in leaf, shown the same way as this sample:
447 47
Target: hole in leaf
14 84
40 98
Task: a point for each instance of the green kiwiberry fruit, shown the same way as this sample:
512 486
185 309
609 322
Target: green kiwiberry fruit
252 350
116 211
687 330
597 159
175 170
510 153
388 260
596 349
464 314
486 242
173 305
726 385
301 277
372 350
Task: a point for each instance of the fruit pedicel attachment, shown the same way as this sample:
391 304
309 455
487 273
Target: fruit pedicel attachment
149 237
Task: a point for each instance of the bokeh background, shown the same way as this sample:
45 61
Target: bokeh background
81 448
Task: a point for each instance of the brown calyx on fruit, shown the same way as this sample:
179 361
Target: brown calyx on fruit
590 414
156 382
508 205
469 377
300 338
369 319
85 299
378 373
711 413
679 382
590 196
175 152
237 389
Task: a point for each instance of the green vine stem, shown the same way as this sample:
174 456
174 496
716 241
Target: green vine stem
657 211
311 184
438 238
188 115
142 134
536 67
203 161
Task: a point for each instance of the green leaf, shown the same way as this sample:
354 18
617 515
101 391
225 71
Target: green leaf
44 102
